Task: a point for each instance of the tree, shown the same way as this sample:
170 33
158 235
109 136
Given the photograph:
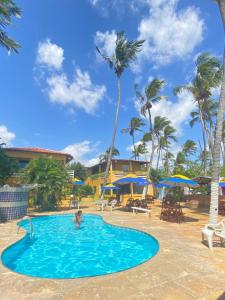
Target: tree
104 157
83 191
8 9
154 136
189 148
208 76
213 215
139 150
8 166
209 111
52 177
150 97
135 125
168 136
80 170
125 52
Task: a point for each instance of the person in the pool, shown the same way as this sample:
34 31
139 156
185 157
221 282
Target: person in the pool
78 218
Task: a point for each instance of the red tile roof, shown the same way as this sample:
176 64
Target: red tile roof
41 150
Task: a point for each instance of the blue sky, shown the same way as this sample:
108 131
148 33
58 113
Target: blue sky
58 94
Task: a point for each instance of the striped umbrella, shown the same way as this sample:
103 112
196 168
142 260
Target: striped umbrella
110 187
179 180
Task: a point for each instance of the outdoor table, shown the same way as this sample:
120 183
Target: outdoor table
171 212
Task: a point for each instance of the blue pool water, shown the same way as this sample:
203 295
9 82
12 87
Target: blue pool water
59 250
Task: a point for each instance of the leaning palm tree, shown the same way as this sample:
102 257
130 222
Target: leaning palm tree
135 125
189 148
104 157
147 100
208 76
209 110
139 150
213 215
169 136
125 52
8 9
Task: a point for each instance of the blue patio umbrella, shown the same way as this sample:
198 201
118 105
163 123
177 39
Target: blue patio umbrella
164 185
131 178
110 187
178 181
78 182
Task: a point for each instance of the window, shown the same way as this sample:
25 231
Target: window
125 168
23 163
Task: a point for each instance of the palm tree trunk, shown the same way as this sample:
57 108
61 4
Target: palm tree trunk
113 135
157 164
203 138
134 148
213 214
153 147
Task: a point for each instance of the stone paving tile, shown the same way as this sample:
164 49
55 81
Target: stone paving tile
183 269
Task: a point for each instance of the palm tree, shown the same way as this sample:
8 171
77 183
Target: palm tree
189 148
208 76
139 150
213 215
8 9
147 100
169 136
104 157
125 52
153 136
135 124
209 111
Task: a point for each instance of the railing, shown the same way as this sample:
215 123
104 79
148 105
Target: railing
70 173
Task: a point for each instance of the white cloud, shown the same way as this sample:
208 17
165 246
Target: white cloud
81 150
81 92
106 41
178 112
6 136
169 34
50 55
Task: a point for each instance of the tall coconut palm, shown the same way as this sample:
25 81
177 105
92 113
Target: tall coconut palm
189 148
209 111
169 136
208 76
135 125
154 135
139 150
147 100
8 9
104 157
213 215
125 52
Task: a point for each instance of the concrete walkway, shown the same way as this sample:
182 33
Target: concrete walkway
184 268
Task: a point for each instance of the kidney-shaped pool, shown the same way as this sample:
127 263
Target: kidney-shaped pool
57 249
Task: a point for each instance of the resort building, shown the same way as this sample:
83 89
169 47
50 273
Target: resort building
24 155
118 169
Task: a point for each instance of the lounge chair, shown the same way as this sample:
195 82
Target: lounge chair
112 204
213 229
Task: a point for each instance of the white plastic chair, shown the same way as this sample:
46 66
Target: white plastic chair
213 229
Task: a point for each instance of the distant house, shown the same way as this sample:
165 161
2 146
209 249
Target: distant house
24 155
118 169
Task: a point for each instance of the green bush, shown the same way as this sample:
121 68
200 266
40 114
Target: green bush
53 179
8 166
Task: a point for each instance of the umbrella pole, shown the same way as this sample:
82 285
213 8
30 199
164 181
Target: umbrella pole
132 189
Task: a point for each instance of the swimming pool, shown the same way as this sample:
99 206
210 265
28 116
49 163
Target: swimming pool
58 249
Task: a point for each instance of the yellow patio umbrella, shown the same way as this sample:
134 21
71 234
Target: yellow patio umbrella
181 176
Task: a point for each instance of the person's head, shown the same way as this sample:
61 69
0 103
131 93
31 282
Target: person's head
79 212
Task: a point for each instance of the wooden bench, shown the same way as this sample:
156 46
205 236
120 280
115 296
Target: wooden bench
136 209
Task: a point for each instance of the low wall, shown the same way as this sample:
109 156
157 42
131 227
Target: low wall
195 201
13 203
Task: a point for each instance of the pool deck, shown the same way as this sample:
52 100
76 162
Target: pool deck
184 268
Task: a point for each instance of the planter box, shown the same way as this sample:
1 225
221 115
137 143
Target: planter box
13 203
